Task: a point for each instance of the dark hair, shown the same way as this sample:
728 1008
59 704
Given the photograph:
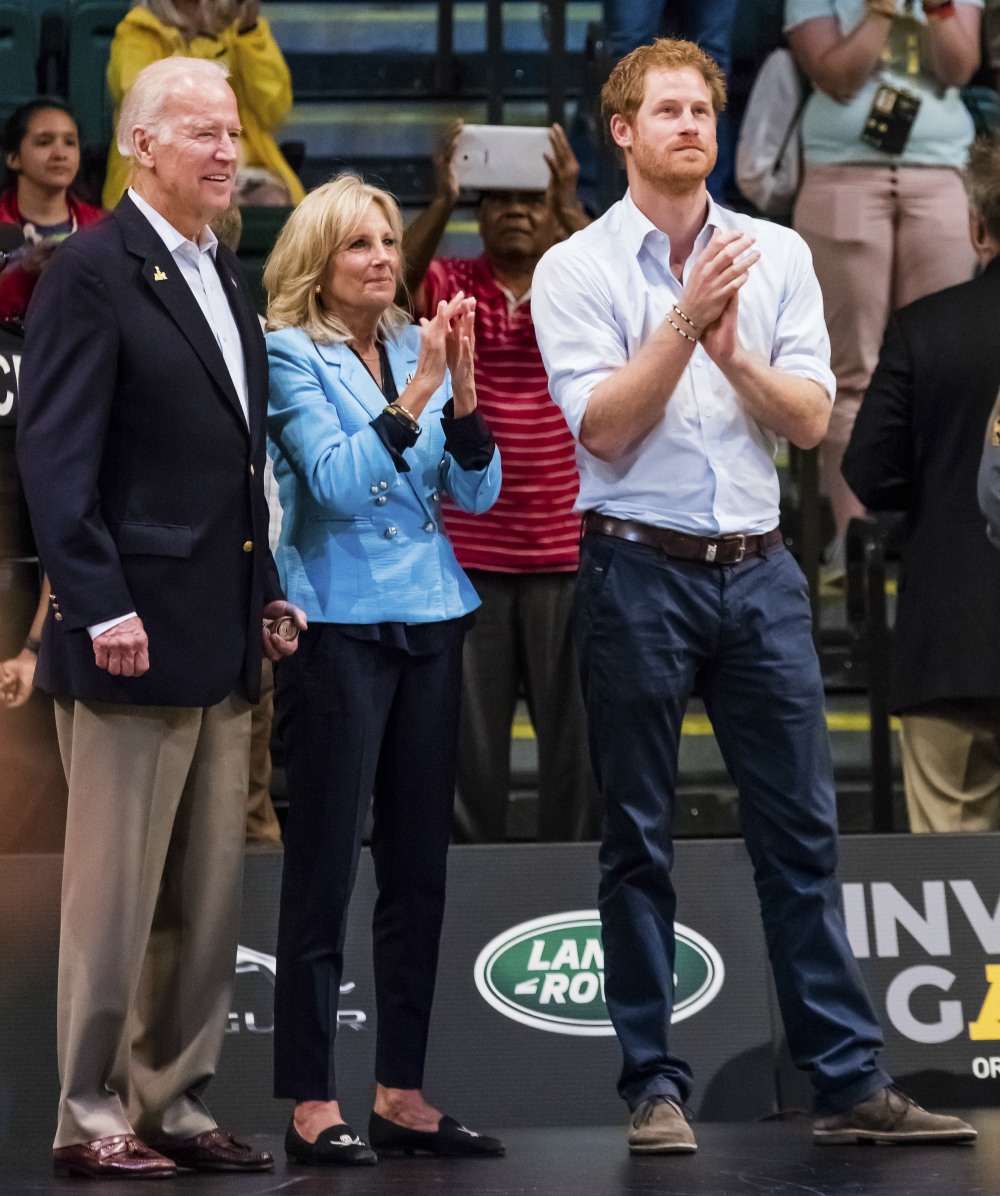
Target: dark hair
15 127
982 181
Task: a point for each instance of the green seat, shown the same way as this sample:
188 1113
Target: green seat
92 25
18 55
260 231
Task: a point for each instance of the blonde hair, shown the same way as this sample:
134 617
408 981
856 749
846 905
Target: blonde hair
622 93
321 225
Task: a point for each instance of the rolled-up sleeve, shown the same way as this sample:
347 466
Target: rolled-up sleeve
580 341
801 343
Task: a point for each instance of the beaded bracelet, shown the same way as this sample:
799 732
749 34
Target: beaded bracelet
687 319
692 339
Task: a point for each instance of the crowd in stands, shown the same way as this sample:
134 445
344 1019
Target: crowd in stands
884 218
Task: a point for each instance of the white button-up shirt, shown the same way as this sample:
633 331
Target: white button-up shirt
707 467
197 265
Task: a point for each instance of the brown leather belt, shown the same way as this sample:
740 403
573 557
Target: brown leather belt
709 550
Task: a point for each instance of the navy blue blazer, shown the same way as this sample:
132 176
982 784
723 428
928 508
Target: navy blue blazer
143 478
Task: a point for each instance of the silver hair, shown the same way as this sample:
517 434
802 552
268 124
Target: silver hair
146 102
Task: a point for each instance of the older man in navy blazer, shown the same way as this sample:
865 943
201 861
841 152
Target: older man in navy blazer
141 444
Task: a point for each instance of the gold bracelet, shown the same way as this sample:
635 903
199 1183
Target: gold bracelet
409 414
692 339
881 10
687 319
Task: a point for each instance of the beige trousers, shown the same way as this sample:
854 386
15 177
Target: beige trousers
881 237
951 768
263 828
151 895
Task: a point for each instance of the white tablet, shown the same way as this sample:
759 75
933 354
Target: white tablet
502 158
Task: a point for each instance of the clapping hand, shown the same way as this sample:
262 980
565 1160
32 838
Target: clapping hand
460 347
433 358
718 272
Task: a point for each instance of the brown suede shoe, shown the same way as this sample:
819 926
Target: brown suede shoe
217 1150
890 1116
121 1156
658 1126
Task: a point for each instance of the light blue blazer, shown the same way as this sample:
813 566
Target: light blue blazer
361 542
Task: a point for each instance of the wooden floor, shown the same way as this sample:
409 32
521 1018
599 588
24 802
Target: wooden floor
732 1160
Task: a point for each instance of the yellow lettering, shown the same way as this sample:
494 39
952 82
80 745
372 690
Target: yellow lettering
987 1025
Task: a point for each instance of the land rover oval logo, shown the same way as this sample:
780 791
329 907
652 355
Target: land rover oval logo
549 974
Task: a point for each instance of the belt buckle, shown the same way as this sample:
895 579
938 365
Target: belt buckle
742 546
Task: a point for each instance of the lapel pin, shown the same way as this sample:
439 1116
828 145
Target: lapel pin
158 275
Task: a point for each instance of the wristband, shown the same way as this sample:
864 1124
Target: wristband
32 644
678 328
939 12
687 319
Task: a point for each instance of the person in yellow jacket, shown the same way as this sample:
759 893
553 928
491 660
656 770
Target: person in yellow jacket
235 32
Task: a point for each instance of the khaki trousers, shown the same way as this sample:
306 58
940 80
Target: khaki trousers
151 894
951 768
263 828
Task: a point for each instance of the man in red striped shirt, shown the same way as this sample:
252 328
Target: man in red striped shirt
522 555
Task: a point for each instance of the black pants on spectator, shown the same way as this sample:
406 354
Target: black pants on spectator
361 719
523 637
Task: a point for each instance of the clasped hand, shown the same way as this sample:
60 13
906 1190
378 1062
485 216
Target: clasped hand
710 298
447 341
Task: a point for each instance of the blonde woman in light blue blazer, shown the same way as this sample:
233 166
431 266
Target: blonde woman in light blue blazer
372 422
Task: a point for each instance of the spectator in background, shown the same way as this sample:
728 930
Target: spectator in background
230 31
521 555
915 448
881 225
41 150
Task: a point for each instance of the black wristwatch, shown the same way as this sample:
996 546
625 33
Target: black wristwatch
404 417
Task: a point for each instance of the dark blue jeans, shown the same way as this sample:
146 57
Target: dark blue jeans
650 630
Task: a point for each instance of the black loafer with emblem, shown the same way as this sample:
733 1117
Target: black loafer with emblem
450 1138
336 1146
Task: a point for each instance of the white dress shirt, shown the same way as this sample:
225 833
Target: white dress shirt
707 467
196 262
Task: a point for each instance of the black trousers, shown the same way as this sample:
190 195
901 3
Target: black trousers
359 719
523 634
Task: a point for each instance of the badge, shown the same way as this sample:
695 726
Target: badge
158 275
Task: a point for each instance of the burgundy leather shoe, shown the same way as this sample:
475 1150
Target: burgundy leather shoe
216 1150
121 1156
